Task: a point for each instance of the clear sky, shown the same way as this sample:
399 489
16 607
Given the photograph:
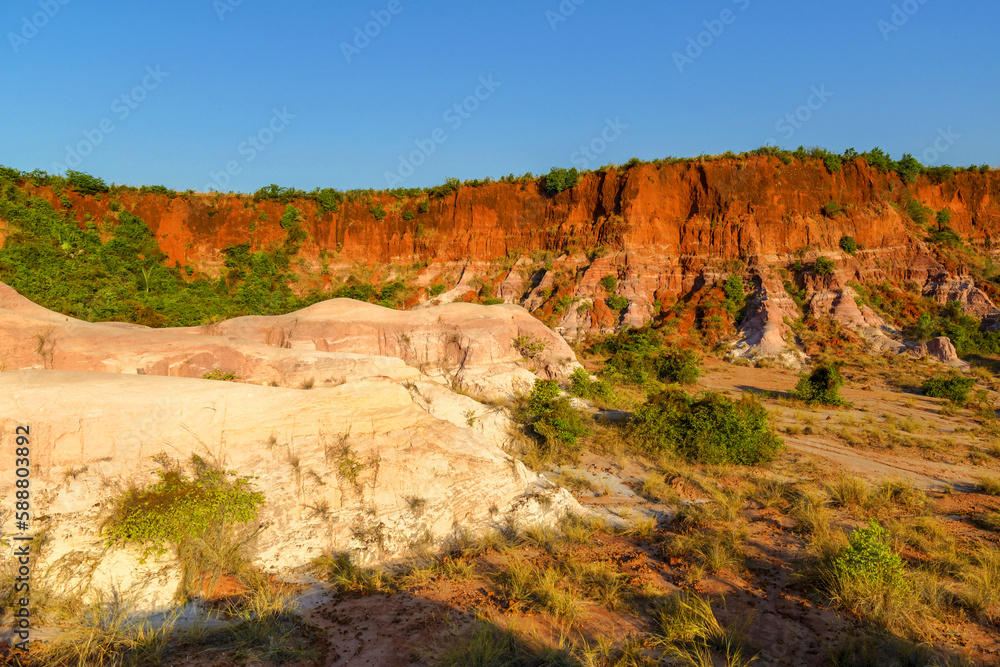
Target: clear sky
237 94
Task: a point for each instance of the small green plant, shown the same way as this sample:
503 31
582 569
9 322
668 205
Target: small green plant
216 374
609 283
917 212
408 216
821 386
869 579
377 211
529 345
424 206
848 244
349 466
824 266
436 289
953 387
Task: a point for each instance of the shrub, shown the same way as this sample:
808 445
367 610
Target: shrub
377 211
736 297
821 386
561 179
880 160
206 519
408 216
709 429
833 162
953 387
617 302
943 217
848 244
632 353
917 212
868 578
424 206
831 209
583 386
86 184
824 266
216 374
609 283
947 236
908 168
638 357
436 289
450 185
551 418
529 345
157 190
678 366
290 220
328 200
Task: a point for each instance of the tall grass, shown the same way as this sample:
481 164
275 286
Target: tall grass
689 633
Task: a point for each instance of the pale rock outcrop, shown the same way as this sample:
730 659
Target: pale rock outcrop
940 348
34 337
944 288
468 345
418 477
765 330
331 342
514 284
842 306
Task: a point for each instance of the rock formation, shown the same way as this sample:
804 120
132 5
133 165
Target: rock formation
375 457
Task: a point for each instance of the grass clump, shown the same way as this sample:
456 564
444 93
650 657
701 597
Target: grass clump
709 428
821 386
490 646
208 519
988 521
989 484
348 577
688 629
222 376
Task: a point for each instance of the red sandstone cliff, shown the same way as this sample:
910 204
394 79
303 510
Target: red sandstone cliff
665 232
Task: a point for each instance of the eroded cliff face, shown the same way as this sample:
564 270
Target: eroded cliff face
667 233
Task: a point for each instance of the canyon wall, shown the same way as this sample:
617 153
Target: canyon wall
667 233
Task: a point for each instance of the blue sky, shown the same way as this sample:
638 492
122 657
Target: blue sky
238 94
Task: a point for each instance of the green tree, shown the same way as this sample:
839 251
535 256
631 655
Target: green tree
824 266
561 179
